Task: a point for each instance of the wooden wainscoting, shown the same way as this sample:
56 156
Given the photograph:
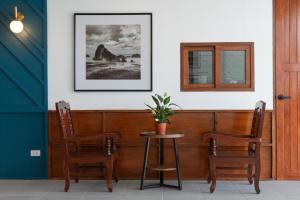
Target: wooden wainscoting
193 152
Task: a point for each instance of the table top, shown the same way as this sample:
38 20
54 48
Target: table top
153 134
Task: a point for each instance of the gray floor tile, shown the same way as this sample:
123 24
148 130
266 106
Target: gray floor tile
129 190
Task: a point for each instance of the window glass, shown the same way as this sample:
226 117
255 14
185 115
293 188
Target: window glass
200 67
233 67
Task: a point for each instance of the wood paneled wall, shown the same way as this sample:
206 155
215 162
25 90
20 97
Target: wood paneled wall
193 152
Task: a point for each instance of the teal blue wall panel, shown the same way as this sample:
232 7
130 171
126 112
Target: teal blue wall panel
23 91
16 142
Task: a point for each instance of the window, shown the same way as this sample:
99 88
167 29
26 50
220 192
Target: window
217 66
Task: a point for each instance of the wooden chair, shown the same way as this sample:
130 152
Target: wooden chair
77 156
219 161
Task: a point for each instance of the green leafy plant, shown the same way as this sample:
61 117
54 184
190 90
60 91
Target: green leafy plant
163 108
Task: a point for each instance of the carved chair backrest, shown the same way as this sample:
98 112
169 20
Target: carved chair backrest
66 125
65 119
258 119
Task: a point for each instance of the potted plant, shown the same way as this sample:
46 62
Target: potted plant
161 111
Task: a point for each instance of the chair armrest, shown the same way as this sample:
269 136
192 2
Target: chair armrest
86 138
230 137
229 134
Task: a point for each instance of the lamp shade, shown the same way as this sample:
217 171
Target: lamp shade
16 26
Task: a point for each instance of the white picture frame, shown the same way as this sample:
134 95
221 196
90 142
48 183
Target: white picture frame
113 51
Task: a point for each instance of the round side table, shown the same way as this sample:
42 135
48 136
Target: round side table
161 168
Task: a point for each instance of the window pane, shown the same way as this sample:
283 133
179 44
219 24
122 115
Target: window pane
233 64
200 67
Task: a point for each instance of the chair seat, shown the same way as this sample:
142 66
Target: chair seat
232 159
88 158
230 152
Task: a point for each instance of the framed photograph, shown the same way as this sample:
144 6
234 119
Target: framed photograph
113 52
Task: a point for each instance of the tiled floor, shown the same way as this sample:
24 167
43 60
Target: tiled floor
128 190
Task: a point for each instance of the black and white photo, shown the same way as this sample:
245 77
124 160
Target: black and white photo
113 52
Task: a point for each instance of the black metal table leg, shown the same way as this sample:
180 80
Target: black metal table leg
177 164
161 152
161 160
145 162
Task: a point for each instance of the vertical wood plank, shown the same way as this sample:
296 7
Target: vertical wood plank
286 38
293 125
298 122
286 122
280 37
298 30
293 31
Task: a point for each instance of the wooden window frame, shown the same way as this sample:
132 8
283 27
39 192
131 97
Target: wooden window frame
217 48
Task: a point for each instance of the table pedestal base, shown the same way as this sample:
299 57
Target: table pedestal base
158 185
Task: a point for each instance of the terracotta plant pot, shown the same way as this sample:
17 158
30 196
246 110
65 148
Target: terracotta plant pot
161 128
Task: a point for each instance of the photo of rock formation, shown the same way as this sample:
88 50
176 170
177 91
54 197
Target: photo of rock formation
113 52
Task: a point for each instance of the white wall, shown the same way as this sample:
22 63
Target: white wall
173 22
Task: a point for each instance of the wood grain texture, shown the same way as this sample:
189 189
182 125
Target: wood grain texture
192 150
287 83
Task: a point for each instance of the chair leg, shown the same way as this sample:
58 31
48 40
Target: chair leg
116 171
109 173
256 177
209 175
213 175
77 171
208 179
67 176
249 173
104 172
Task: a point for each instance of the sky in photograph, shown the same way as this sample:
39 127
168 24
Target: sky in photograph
118 39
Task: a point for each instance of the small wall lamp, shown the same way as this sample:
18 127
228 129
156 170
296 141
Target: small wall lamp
16 25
